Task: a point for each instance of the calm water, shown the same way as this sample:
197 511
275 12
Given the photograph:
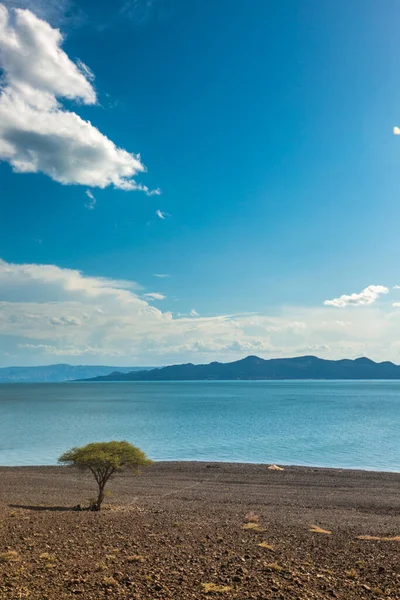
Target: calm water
336 424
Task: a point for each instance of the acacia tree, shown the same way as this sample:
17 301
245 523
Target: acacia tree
103 460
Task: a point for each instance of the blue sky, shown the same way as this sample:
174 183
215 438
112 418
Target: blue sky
266 131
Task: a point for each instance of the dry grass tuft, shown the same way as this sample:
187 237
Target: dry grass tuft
110 581
9 556
351 574
136 558
360 564
265 545
377 591
47 556
273 567
317 529
275 468
213 587
253 527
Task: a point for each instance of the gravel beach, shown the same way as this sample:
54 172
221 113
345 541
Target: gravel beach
201 530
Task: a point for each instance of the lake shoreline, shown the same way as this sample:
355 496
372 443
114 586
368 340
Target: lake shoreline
225 465
378 488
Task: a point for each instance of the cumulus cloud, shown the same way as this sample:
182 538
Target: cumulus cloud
91 203
48 311
32 280
70 350
368 295
37 134
313 348
218 347
154 296
396 130
65 321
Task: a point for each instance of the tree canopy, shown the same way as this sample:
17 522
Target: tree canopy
103 459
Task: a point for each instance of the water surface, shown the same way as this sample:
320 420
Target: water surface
350 424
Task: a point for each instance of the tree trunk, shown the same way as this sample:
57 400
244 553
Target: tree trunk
100 497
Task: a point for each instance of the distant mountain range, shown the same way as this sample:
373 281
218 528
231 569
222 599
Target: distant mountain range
253 368
58 373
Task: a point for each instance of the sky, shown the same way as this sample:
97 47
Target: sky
196 181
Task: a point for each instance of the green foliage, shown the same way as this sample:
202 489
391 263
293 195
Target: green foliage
106 455
103 459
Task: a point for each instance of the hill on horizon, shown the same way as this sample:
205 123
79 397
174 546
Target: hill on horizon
58 373
255 368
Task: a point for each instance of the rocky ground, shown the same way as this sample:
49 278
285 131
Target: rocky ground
198 530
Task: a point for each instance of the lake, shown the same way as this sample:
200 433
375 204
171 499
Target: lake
349 424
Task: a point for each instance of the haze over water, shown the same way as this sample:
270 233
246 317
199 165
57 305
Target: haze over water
348 424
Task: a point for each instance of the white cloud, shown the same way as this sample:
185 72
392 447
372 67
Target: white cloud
156 192
369 295
36 133
85 70
210 346
48 311
65 321
34 63
161 275
161 215
70 350
313 348
194 313
27 280
396 304
154 296
91 203
396 130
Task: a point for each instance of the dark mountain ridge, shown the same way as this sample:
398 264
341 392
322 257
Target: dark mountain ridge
255 368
